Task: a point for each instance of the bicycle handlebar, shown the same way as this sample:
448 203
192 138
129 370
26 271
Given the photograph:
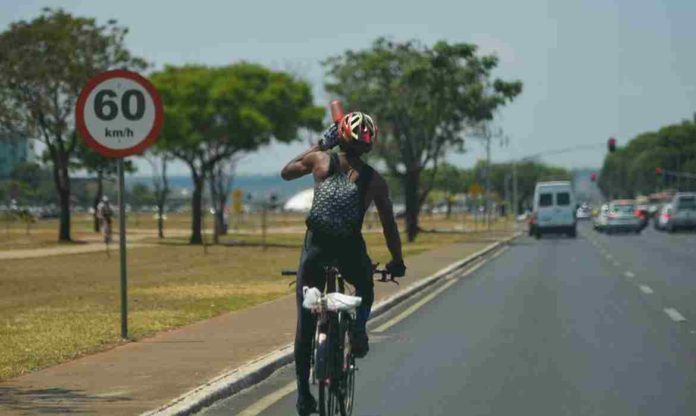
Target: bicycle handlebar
384 273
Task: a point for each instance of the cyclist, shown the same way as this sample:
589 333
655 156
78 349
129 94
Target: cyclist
104 215
354 135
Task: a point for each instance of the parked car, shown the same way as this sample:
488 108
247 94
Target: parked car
623 216
683 212
584 212
554 209
662 217
643 210
600 219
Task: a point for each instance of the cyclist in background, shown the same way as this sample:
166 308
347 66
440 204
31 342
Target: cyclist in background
343 181
104 215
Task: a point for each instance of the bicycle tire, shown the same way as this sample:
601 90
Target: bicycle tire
330 371
347 384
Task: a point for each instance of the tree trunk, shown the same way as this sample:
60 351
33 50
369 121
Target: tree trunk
62 181
160 220
411 193
217 216
449 206
97 198
196 210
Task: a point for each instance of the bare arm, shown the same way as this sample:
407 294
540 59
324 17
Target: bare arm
302 164
386 216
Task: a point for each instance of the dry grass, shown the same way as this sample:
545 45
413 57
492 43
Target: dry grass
56 308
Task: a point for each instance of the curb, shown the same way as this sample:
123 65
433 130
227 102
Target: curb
256 371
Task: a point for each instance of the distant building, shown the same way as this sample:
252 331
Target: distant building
12 153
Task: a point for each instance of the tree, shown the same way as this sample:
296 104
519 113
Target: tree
141 195
220 182
160 185
451 180
630 170
44 63
424 100
212 114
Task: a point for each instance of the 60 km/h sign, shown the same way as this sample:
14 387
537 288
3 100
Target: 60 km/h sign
119 113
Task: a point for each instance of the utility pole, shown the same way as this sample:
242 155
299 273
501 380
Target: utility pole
514 188
488 176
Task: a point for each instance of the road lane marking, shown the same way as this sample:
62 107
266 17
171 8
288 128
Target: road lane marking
617 264
646 289
674 315
629 275
501 251
451 280
268 401
413 308
609 256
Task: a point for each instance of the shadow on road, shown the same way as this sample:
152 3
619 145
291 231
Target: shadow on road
50 401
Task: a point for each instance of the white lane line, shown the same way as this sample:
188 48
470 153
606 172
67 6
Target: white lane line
617 264
268 401
501 251
609 256
630 275
674 315
646 289
413 308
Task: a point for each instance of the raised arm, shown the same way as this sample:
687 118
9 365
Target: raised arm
302 164
386 216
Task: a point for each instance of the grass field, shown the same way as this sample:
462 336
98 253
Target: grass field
56 308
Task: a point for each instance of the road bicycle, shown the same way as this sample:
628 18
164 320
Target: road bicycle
332 362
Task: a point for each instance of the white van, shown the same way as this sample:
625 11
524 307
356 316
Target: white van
554 209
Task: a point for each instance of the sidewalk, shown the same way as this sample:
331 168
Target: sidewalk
141 376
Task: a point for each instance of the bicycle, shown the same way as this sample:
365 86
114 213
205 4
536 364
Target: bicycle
332 361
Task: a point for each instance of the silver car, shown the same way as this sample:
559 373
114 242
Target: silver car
662 217
623 216
683 212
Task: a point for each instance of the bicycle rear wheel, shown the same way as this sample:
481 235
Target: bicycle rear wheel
347 384
329 372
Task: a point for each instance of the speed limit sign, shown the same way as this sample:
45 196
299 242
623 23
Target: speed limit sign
119 113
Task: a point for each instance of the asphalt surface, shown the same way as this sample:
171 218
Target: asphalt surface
555 326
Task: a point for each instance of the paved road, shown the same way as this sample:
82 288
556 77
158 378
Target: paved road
550 327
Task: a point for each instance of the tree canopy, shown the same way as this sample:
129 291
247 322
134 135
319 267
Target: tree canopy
44 63
214 113
631 169
424 100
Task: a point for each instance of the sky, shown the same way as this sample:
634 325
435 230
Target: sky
591 69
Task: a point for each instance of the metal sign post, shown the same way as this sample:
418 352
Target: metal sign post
122 248
119 113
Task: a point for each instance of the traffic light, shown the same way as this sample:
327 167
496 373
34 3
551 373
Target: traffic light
594 176
611 145
658 171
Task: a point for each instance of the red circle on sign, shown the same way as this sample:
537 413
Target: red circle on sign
80 109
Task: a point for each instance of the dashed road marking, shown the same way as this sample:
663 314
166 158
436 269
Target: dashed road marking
617 264
269 400
450 281
630 275
413 308
675 315
646 289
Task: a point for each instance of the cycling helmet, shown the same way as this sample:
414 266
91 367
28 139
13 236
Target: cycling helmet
358 127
